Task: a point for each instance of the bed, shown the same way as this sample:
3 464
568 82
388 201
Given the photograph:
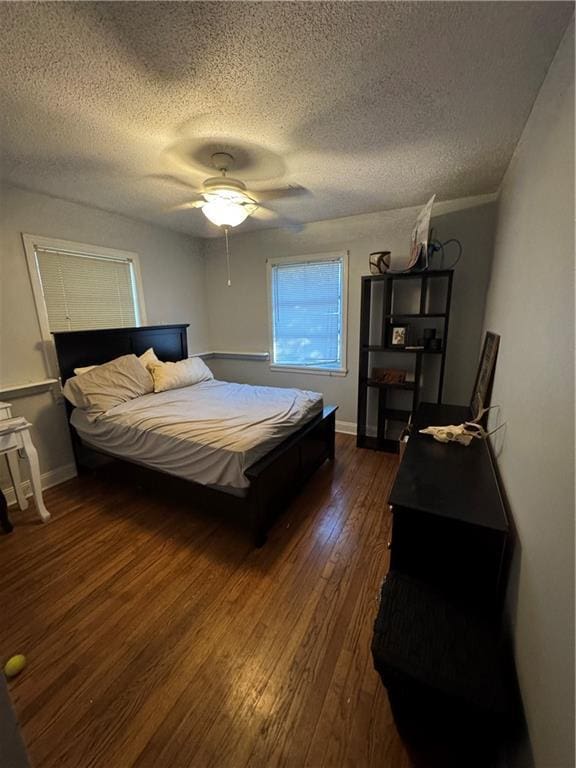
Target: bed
242 448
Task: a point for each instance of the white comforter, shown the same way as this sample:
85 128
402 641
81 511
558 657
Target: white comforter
209 433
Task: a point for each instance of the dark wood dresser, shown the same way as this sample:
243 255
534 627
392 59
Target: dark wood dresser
449 522
438 643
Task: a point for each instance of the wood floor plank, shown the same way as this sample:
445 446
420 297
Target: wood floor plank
156 635
284 616
316 656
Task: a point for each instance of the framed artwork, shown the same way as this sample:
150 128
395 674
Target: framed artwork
482 391
398 335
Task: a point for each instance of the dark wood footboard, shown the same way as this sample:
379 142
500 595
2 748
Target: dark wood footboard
274 480
279 475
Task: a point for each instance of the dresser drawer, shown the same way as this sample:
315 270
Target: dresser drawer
457 557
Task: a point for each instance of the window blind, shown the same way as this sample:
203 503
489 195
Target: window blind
84 291
307 313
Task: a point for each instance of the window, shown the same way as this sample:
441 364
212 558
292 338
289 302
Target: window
82 287
308 300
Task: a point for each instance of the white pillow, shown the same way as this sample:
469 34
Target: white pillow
80 371
147 359
184 373
108 385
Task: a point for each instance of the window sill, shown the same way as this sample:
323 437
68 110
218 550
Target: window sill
310 369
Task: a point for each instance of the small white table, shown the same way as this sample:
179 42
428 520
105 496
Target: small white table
15 440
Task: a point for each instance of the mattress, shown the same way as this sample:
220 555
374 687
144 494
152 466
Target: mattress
209 433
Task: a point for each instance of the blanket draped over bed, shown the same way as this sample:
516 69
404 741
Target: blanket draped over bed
209 433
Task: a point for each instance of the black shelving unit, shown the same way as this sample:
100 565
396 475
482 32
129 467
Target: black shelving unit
376 320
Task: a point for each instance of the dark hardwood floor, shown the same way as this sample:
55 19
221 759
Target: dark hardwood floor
157 636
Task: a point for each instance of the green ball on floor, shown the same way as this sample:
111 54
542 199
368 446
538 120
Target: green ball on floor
15 665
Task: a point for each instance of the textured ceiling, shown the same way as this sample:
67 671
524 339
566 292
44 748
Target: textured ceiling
369 106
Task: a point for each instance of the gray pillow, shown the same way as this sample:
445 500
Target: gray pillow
108 385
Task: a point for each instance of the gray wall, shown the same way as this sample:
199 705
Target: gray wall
238 316
181 286
531 304
172 275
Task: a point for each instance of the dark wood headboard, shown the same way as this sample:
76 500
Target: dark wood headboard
76 349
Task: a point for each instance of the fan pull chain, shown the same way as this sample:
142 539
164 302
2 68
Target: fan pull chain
227 256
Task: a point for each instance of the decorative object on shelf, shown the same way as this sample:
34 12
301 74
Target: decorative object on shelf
429 334
419 239
418 260
436 246
424 246
462 433
379 262
434 345
389 375
485 375
399 335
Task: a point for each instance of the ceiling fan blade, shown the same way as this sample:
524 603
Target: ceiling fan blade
174 180
186 206
264 214
282 193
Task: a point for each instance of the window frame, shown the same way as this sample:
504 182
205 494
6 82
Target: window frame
33 242
312 258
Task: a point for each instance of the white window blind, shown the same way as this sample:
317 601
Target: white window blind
307 313
86 291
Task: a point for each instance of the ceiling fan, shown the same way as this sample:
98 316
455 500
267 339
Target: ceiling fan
226 202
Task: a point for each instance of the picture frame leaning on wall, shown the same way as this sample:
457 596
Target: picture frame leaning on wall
482 391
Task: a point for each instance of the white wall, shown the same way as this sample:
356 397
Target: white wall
172 275
238 316
177 289
531 304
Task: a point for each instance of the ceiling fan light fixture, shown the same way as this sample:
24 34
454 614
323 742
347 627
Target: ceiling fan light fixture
226 202
225 213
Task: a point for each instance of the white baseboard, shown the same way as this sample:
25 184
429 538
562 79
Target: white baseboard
346 427
49 479
350 428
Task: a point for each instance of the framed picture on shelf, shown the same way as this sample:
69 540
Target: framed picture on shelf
399 335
